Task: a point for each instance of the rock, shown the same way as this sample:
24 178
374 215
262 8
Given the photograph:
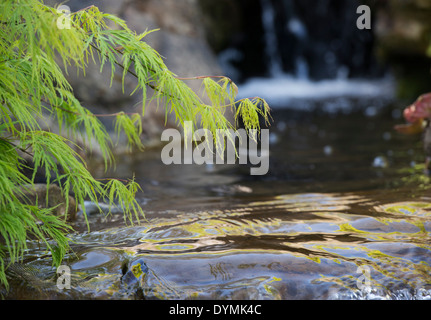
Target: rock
36 195
181 40
134 277
134 272
92 208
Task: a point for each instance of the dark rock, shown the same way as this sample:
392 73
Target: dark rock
134 276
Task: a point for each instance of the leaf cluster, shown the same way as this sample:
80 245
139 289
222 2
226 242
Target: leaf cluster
34 94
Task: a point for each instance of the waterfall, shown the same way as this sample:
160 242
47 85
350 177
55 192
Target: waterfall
313 53
272 51
297 28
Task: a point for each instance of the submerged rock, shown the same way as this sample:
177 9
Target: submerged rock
134 272
134 276
142 282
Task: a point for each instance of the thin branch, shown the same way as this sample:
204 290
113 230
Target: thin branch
94 115
204 77
109 179
179 78
119 49
19 148
83 9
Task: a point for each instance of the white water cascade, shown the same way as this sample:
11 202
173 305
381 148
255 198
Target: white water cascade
272 51
280 88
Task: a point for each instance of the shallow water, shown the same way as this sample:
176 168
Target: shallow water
342 214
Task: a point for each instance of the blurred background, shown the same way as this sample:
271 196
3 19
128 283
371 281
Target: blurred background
277 49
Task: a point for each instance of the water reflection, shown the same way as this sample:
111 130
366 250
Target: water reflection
306 246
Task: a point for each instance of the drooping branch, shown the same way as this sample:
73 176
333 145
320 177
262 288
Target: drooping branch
117 49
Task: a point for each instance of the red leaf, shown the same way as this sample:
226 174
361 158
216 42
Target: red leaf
420 109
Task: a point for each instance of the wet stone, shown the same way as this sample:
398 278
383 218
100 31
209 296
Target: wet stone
134 276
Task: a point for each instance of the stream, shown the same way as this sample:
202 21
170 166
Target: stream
343 213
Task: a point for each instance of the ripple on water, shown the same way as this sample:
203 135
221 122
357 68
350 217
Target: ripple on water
306 246
92 259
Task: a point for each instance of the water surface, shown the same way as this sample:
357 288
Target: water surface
342 214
